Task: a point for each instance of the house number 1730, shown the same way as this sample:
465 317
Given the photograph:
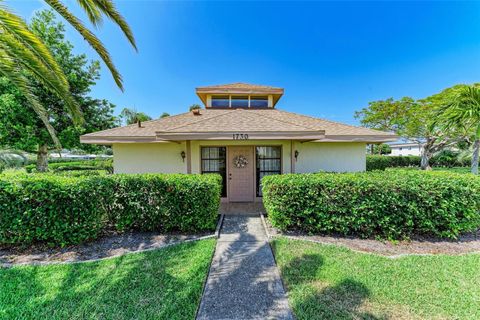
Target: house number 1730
240 136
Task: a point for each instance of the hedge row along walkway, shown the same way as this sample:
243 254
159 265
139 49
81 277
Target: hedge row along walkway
243 282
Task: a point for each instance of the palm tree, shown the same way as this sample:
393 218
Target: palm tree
22 53
132 116
194 107
464 112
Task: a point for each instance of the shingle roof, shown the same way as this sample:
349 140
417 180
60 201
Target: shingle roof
239 85
243 121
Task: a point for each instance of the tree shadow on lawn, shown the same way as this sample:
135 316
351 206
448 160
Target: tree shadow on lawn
313 300
163 284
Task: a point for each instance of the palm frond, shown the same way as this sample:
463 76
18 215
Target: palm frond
30 62
12 158
9 69
92 11
463 111
96 44
15 26
95 9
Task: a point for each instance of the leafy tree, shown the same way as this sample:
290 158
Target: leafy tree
20 128
24 55
164 115
413 119
386 115
131 116
382 148
194 107
434 136
463 113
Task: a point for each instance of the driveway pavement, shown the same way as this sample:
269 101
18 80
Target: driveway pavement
243 282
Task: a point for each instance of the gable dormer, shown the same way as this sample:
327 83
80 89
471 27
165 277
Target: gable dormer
239 95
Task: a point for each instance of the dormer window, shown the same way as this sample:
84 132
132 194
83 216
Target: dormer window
239 102
234 101
221 102
259 102
239 95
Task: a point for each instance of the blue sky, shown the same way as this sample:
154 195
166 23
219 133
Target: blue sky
332 58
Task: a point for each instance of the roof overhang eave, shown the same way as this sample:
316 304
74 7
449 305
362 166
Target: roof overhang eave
359 138
241 135
105 140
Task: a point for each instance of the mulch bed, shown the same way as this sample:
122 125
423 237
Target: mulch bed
467 243
108 246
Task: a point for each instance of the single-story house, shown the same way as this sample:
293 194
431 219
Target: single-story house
241 136
406 148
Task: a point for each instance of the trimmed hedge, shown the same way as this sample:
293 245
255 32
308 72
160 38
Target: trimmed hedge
164 202
62 210
75 165
443 159
55 210
389 205
377 162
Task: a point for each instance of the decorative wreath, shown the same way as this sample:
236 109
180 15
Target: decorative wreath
240 162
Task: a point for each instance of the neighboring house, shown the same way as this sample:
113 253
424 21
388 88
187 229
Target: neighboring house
70 156
241 136
406 149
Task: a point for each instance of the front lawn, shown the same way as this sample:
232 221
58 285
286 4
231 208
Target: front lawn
161 284
331 282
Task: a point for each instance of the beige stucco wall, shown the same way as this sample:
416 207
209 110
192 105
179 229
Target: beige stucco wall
149 158
330 156
165 157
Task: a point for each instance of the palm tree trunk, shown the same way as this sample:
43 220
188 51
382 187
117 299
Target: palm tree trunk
476 148
42 158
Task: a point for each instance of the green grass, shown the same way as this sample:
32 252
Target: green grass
332 282
161 284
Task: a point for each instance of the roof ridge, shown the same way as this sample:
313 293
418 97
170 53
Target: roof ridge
200 120
290 123
330 121
134 124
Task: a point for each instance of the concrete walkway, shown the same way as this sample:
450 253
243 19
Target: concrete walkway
243 282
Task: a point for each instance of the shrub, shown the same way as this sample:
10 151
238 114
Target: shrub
55 210
80 173
444 158
448 158
62 210
376 162
392 205
107 165
164 202
405 161
72 165
12 159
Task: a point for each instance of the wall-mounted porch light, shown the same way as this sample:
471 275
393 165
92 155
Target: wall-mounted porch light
183 155
296 155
